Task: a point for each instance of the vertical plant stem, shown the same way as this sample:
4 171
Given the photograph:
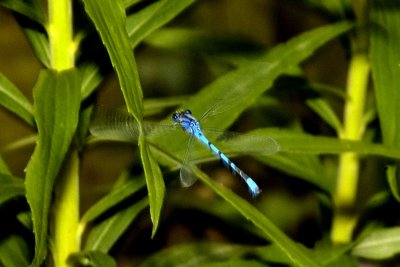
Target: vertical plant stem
353 127
347 181
66 205
62 48
66 212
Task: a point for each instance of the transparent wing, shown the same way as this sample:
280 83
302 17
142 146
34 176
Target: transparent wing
117 125
186 175
114 125
233 142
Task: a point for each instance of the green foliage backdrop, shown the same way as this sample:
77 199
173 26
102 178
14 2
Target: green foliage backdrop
82 189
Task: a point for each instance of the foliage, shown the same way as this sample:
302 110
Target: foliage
323 170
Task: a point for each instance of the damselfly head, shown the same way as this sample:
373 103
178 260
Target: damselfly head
177 116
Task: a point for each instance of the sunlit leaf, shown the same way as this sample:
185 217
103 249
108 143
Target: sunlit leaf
380 244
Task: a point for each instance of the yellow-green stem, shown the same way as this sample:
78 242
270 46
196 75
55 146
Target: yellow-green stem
62 47
347 180
66 211
66 205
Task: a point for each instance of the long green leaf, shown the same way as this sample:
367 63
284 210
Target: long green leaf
104 235
56 97
12 99
155 183
109 18
302 143
385 57
144 22
297 254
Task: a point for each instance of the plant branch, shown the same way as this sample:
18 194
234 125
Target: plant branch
354 124
66 205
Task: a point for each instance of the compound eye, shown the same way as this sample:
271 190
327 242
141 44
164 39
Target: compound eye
175 116
188 112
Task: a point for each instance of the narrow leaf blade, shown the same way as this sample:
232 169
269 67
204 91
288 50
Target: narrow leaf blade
12 99
144 22
104 235
155 183
109 18
385 57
